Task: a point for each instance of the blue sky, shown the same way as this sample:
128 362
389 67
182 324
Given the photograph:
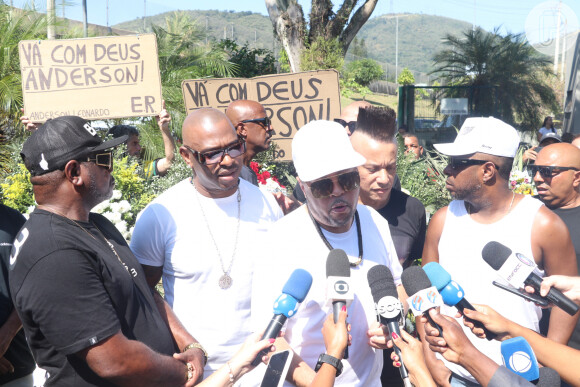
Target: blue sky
511 15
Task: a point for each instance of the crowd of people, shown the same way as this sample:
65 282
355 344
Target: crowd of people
222 249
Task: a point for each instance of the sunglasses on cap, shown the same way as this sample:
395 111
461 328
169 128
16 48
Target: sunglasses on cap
548 170
323 188
456 163
216 156
104 159
265 121
351 125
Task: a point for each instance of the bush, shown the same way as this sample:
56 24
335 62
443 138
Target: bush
364 71
406 77
322 54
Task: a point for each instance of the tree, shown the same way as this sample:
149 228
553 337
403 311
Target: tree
251 62
322 54
406 77
507 76
295 34
364 71
359 48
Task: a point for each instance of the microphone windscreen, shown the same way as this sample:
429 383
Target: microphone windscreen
548 378
414 280
381 282
438 276
495 254
337 264
298 284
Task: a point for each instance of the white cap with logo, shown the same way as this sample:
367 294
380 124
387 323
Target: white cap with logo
484 135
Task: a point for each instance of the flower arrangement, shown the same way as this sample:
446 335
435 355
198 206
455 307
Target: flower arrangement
118 211
521 182
266 178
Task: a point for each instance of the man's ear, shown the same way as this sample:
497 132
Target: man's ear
187 155
241 130
72 171
576 181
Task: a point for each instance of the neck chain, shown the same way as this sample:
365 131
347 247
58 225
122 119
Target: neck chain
131 271
358 234
468 205
225 280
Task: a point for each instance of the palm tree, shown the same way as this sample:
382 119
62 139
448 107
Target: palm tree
508 76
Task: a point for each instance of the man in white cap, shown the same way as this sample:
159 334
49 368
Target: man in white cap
484 210
326 164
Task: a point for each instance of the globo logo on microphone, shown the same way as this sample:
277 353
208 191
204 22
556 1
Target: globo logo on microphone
341 287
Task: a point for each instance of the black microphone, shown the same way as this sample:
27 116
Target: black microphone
388 306
519 270
338 287
293 293
423 296
548 378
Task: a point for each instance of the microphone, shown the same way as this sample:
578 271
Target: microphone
338 289
388 306
518 357
293 293
452 293
548 378
519 270
424 296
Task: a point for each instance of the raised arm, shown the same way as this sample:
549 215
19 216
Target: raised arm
163 120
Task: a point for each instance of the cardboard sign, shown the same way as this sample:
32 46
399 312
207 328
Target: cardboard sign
290 100
94 78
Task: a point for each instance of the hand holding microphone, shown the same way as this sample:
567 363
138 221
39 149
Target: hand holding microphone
338 287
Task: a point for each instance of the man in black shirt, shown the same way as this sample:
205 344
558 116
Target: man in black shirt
16 362
86 308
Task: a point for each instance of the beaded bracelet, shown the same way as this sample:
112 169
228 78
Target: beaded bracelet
232 379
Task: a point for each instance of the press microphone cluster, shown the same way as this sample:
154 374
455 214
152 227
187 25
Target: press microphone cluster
286 305
338 287
518 271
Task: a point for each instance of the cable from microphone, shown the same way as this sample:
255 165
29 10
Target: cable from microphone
452 293
388 306
423 295
286 306
338 288
519 271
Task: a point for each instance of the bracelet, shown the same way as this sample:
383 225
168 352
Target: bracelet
232 378
189 373
198 346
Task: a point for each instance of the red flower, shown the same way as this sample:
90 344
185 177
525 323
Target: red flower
266 174
255 167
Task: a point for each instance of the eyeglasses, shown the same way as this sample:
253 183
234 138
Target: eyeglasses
216 156
455 163
323 188
104 159
266 121
351 125
548 170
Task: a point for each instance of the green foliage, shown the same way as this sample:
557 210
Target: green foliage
246 59
322 54
364 71
349 87
406 77
283 61
17 190
358 48
283 170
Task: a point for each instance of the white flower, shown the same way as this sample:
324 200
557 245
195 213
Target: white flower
116 194
124 206
114 217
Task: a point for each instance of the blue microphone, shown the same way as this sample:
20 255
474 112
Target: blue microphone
519 358
451 292
286 305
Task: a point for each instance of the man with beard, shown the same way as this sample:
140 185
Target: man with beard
200 236
326 164
483 210
88 314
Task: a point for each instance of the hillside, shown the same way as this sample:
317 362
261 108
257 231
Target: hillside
419 35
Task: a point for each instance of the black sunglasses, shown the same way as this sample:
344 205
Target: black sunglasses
104 159
351 125
548 170
265 121
455 163
323 188
216 156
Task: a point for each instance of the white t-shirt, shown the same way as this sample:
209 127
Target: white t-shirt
172 232
294 243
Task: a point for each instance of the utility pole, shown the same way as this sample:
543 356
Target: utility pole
85 22
232 31
51 16
563 50
397 49
109 31
63 7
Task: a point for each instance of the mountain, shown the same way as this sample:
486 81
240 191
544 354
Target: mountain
419 35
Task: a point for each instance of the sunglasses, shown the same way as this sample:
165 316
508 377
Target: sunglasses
323 188
455 163
351 125
547 170
216 156
266 121
104 159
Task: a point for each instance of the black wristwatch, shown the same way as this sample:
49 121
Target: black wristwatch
324 358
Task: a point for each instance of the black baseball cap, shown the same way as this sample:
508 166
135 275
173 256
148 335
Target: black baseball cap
60 140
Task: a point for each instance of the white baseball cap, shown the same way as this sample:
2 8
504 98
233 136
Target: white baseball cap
485 135
321 148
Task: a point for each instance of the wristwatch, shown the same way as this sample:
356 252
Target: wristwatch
198 346
325 358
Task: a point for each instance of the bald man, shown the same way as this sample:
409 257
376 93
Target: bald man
556 173
349 115
253 125
200 236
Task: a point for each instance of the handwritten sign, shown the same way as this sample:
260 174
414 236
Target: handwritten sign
290 100
94 78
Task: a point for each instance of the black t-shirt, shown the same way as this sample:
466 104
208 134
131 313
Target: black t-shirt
17 353
72 292
571 217
407 222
